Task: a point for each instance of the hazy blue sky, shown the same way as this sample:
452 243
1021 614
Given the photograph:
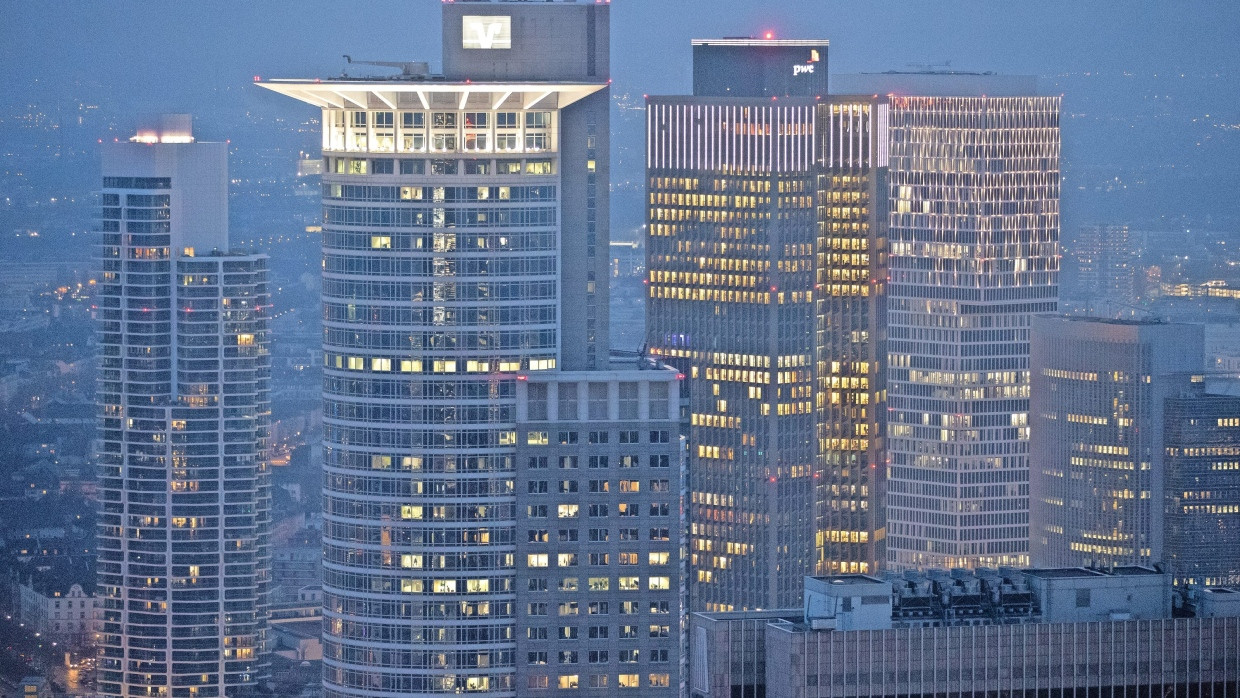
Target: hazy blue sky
1141 141
165 51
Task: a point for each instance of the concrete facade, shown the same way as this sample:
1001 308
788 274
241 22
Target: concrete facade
1097 456
599 544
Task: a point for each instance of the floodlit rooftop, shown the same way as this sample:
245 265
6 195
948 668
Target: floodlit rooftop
429 93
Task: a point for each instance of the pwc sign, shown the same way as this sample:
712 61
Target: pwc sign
806 68
486 31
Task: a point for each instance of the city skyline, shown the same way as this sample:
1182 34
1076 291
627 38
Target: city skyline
451 351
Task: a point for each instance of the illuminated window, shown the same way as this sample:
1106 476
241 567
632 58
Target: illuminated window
538 167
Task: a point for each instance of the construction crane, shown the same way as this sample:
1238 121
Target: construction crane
407 68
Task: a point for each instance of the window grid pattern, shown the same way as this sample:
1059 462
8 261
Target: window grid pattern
974 237
184 521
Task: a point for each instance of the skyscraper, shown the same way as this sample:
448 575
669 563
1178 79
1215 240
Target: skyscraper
464 242
1097 458
973 224
851 334
765 282
184 565
1106 269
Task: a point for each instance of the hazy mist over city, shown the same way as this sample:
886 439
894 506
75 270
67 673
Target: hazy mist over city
1150 125
1126 212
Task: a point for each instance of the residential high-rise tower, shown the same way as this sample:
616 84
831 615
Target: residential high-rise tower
184 520
1106 268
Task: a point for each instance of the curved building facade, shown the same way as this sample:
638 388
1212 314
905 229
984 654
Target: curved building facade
461 216
184 521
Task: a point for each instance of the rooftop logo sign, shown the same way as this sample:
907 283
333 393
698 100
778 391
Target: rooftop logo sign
486 31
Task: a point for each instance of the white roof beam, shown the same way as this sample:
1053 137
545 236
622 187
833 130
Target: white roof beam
347 98
529 104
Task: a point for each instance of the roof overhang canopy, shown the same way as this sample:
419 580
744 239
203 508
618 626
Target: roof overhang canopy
430 94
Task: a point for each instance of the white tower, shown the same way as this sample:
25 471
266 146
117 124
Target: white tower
184 518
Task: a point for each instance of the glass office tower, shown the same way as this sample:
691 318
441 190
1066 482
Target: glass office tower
463 215
765 258
851 334
974 231
184 521
730 250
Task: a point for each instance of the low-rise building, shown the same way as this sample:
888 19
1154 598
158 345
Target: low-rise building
58 600
1074 631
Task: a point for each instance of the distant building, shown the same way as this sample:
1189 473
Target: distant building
58 600
1097 467
1106 269
35 687
599 535
627 258
183 393
760 67
1049 631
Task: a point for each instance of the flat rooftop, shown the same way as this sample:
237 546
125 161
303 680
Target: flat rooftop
850 579
1137 322
420 92
1083 572
757 41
